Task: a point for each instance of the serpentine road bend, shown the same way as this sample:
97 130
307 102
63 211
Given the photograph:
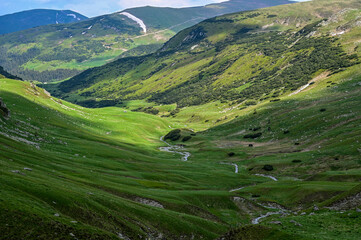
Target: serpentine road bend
174 149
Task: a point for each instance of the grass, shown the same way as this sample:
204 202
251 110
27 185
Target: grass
93 166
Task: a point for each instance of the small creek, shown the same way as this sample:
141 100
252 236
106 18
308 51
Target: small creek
174 149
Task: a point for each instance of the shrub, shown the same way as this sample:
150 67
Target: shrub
253 135
173 135
186 138
296 161
323 110
231 154
251 102
268 167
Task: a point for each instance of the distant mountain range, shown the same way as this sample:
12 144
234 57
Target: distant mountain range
38 17
59 51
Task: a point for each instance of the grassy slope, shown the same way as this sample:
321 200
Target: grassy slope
93 165
275 57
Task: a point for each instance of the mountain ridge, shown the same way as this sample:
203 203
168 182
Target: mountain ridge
36 17
278 53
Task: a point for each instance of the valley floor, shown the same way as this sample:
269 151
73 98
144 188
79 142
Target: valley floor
69 172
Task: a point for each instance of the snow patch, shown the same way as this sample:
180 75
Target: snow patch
71 15
137 20
300 90
194 47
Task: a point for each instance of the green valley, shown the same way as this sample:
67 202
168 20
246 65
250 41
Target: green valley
244 126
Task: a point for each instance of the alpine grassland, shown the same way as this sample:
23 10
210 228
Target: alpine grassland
245 126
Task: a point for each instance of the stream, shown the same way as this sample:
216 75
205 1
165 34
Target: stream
232 164
174 149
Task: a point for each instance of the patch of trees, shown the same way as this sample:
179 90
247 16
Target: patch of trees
8 75
98 104
173 135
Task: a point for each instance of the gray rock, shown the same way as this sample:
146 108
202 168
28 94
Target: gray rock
56 214
28 169
71 234
17 171
358 210
316 208
276 222
296 223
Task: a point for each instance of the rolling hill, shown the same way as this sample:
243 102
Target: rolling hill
56 52
70 172
38 17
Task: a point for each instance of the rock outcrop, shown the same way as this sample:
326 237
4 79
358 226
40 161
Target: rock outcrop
4 111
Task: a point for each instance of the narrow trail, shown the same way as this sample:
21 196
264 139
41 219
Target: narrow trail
174 149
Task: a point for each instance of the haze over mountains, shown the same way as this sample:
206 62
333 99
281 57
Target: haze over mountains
38 17
242 126
56 52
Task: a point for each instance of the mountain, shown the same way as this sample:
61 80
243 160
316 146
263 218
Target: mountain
57 52
38 17
243 58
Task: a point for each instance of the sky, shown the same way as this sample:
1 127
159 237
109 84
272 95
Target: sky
92 8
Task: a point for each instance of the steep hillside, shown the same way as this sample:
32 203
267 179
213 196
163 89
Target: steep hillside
244 58
57 52
38 17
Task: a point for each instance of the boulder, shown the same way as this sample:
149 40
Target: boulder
276 222
296 223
